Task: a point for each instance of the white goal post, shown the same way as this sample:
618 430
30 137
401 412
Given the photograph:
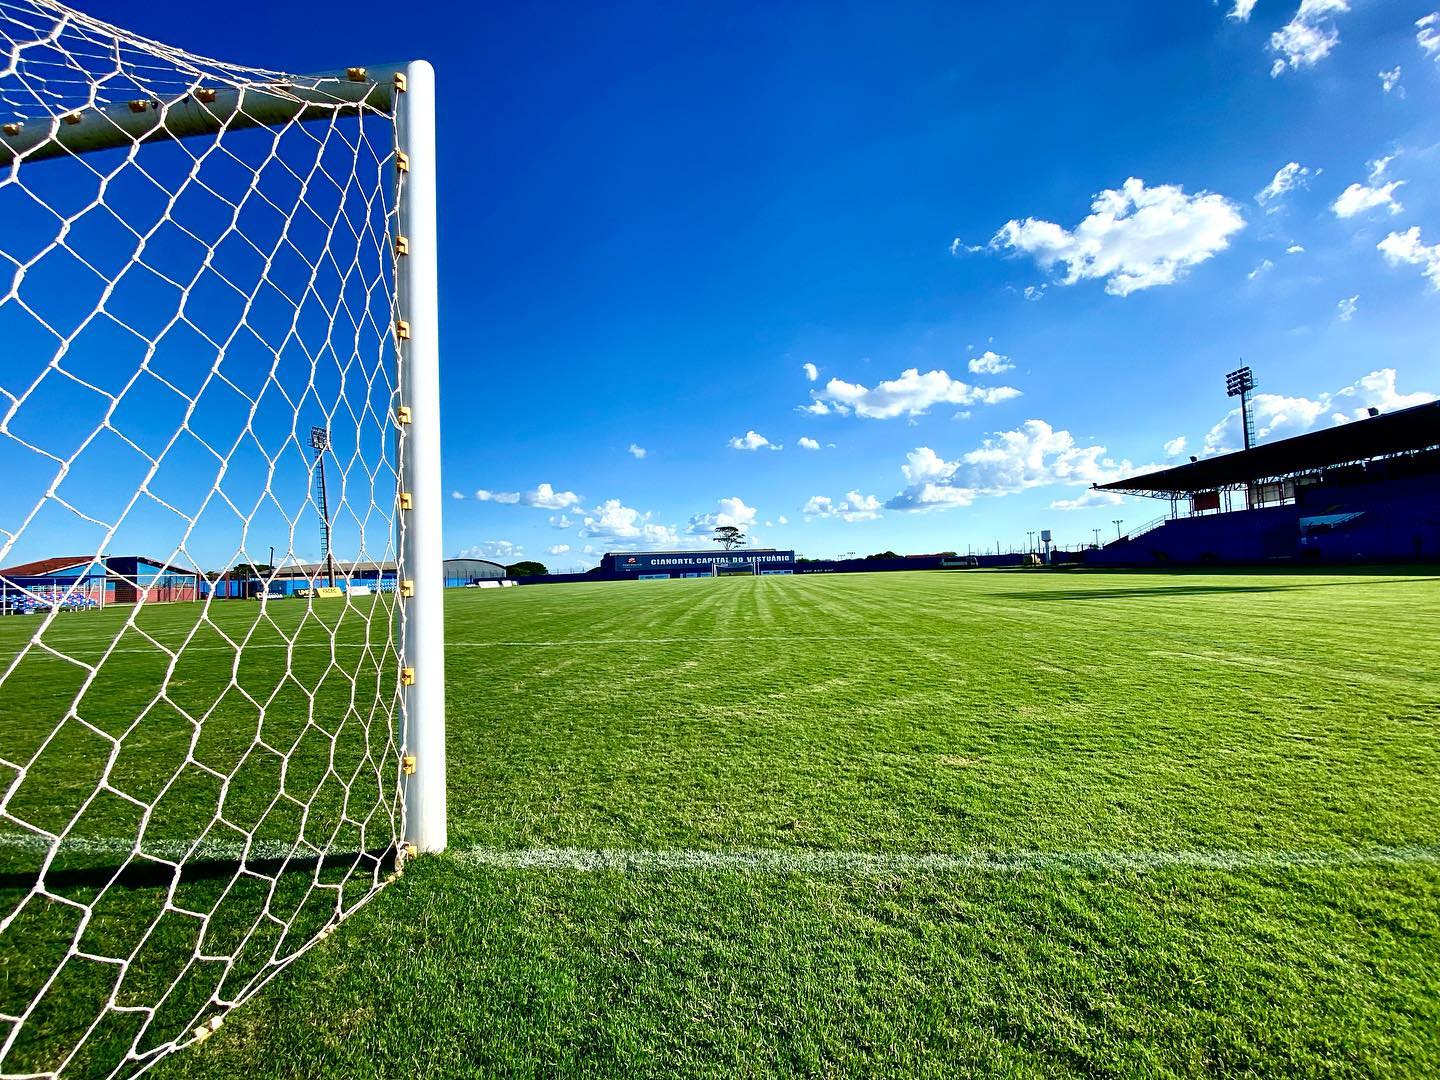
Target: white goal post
219 365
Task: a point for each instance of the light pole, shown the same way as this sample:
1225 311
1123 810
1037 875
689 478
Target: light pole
1097 537
1030 541
320 441
1118 523
1241 383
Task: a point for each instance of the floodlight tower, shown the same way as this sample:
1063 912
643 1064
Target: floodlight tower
1239 383
320 440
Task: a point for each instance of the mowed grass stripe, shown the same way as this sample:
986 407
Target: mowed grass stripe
981 701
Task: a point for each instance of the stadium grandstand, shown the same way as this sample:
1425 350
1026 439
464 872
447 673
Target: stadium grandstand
1363 491
87 581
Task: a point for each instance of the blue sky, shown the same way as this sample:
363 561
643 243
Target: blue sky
1018 246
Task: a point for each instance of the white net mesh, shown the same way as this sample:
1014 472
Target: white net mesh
195 785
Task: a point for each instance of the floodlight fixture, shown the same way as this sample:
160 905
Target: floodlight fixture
1240 381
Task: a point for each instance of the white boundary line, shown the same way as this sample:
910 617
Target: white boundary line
791 860
859 863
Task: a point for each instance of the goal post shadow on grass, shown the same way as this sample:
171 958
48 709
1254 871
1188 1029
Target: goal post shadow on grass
200 263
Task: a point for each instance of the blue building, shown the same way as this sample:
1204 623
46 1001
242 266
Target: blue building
85 581
645 565
296 578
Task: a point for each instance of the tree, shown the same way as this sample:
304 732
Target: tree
251 570
525 568
882 555
729 536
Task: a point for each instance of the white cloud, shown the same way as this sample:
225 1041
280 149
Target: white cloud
561 521
912 394
1294 249
1035 292
1089 499
1345 308
1287 178
498 550
753 440
1377 168
1308 37
547 498
815 408
1407 247
508 497
1357 198
1389 80
807 443
611 521
457 494
1241 11
1032 455
1260 268
783 520
1281 415
1428 34
1175 446
558 549
957 246
990 363
1136 238
811 371
543 496
637 452
733 511
851 507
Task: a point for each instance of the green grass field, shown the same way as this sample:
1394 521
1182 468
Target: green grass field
1024 823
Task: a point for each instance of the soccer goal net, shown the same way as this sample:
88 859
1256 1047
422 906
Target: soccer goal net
221 676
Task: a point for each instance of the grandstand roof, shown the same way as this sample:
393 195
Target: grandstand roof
42 567
1405 431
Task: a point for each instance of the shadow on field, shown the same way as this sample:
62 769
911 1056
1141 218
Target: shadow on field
147 874
1152 591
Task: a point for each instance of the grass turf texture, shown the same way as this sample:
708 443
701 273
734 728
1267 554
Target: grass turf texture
1112 730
